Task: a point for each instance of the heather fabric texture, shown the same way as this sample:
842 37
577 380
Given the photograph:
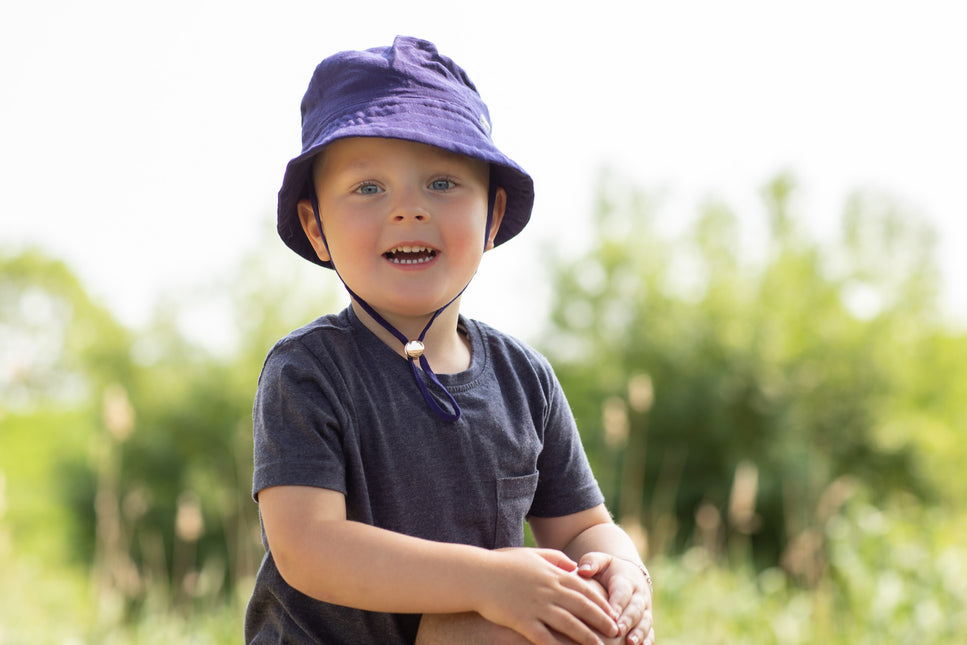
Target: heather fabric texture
330 413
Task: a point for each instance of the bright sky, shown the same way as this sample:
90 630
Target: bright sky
144 143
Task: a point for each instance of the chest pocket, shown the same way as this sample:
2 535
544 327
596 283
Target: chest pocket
514 498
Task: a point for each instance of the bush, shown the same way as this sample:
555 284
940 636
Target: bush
893 575
734 389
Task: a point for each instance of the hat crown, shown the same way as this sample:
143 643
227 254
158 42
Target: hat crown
406 91
410 67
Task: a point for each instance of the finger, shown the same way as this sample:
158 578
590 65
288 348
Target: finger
637 610
628 594
593 563
636 613
640 636
621 594
597 593
642 628
558 559
580 628
540 634
589 602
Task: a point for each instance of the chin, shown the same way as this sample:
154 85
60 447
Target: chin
404 307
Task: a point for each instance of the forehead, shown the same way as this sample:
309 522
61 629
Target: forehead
372 151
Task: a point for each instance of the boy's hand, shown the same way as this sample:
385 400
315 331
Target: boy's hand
629 593
537 593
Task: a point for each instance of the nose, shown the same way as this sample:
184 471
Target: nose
408 206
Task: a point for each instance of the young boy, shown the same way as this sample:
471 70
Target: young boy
399 446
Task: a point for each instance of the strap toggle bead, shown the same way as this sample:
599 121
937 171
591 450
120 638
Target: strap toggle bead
414 349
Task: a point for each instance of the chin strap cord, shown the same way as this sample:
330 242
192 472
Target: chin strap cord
414 352
414 349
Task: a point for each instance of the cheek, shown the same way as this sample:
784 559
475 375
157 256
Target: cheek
469 236
349 227
473 224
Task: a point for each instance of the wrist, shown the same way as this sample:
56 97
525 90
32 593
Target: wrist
482 579
641 567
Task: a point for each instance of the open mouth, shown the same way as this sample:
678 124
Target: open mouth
410 255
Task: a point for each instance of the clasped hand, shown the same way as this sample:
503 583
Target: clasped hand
542 594
629 594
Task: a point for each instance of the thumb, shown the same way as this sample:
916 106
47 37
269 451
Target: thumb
593 563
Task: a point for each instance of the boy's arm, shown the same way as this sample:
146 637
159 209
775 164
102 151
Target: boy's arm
606 553
325 556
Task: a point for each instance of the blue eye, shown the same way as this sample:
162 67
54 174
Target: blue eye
441 184
367 189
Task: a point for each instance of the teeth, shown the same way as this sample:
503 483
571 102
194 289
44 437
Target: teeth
411 261
424 254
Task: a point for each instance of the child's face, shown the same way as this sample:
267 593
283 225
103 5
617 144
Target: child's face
404 221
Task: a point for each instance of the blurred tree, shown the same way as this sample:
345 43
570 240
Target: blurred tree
772 377
185 471
160 496
56 343
188 468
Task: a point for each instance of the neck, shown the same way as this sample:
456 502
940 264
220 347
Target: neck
446 349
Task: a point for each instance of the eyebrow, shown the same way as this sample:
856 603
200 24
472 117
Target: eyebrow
355 164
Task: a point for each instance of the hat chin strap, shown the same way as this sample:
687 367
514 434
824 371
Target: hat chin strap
414 349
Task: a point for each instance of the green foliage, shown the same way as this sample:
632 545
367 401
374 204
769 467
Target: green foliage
58 344
791 370
35 449
137 448
894 576
768 420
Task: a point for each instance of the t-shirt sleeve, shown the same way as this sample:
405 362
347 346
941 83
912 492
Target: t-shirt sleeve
566 484
296 418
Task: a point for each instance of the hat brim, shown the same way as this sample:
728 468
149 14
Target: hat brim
394 119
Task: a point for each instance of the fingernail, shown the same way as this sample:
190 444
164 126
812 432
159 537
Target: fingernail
622 628
585 567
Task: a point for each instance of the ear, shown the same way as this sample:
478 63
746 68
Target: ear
500 205
308 219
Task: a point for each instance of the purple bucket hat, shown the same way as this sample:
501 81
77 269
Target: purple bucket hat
406 91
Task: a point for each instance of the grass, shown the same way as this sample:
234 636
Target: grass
895 575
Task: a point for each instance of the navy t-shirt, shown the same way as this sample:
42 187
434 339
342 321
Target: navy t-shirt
336 408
